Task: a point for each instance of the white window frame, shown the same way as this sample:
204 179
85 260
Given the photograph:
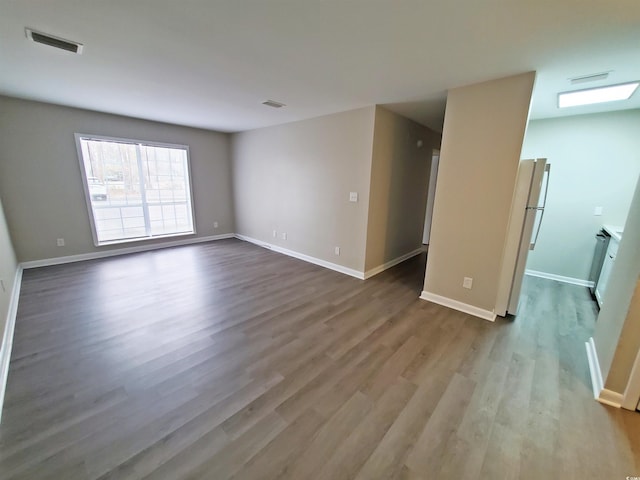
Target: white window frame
87 194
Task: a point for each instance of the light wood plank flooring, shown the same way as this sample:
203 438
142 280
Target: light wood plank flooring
225 360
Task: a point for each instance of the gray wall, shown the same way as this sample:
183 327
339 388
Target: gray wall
399 184
595 161
8 267
40 177
484 128
296 178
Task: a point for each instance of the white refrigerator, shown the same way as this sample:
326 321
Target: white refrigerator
527 212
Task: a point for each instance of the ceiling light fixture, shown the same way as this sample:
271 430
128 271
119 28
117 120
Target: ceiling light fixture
589 96
273 103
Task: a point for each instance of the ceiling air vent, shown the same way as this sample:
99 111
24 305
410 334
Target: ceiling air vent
57 42
274 104
589 78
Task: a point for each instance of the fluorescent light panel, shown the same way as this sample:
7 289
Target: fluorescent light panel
611 93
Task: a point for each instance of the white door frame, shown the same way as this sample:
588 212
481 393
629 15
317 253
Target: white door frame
431 195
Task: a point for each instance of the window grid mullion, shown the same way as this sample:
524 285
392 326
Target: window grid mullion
143 192
187 192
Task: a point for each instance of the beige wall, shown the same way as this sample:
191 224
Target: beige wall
595 161
617 334
481 142
41 183
8 267
296 178
399 184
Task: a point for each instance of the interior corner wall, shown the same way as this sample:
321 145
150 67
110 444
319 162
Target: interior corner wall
482 139
40 177
296 178
8 268
617 333
595 161
399 185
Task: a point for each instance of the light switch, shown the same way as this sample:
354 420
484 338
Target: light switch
597 211
353 196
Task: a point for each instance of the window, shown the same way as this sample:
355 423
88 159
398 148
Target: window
135 190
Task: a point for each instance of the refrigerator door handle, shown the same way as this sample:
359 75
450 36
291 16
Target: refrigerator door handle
535 240
547 168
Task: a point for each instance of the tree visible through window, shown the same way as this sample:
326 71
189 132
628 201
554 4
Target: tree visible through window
135 190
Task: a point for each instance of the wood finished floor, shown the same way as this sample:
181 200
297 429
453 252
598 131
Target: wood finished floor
225 360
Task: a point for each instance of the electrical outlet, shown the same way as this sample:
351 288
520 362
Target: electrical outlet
60 242
284 235
215 224
353 196
337 250
597 211
467 282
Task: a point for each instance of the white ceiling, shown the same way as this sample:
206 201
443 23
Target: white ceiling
210 63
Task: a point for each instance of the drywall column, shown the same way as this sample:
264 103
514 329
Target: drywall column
10 277
484 129
617 334
8 267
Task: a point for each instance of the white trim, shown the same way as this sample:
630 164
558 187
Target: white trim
431 195
301 256
456 305
602 395
611 398
559 278
594 368
121 251
7 338
392 263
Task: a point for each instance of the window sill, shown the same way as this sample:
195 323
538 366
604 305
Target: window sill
143 239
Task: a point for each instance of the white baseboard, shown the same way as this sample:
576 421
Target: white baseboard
301 256
559 278
121 251
7 338
601 394
594 368
611 398
392 263
456 305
